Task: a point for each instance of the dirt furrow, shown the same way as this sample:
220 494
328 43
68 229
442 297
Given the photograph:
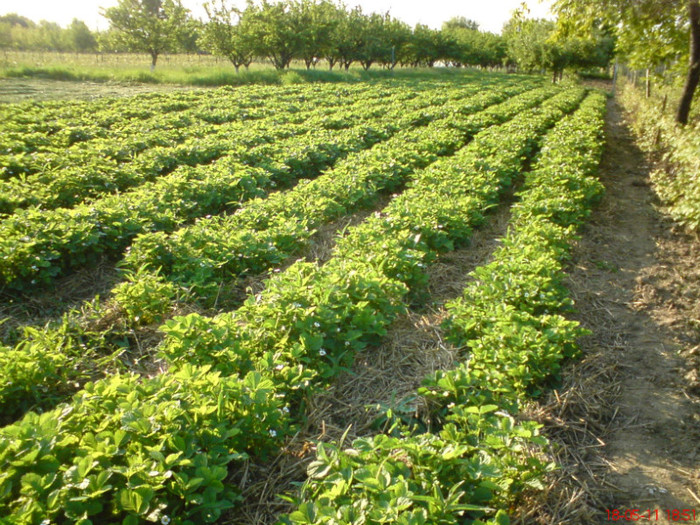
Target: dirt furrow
626 420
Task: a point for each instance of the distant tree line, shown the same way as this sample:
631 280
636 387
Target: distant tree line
311 31
20 33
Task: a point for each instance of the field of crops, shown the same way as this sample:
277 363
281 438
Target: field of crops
146 404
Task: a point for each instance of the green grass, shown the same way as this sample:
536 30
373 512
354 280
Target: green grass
186 70
214 76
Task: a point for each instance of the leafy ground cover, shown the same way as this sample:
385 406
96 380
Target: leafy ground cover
161 444
259 233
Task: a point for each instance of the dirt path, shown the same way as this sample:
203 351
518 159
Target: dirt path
628 414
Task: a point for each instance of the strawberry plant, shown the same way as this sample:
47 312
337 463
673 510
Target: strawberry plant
134 449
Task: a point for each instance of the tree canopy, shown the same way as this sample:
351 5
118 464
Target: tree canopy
151 26
223 36
281 31
648 32
535 45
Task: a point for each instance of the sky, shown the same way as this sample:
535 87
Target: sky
490 14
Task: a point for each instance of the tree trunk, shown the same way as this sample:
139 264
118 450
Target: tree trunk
693 77
648 84
154 59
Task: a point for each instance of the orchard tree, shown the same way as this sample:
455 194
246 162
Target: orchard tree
534 44
374 44
348 38
276 31
460 22
189 36
150 26
427 46
13 19
12 25
529 44
648 31
398 36
492 49
81 39
420 50
224 35
318 22
109 41
473 47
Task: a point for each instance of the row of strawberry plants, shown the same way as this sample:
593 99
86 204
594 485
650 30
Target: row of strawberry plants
38 245
471 466
119 119
116 142
264 233
161 446
509 317
91 172
36 127
144 298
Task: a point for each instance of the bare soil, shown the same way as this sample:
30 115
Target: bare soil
626 420
14 90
